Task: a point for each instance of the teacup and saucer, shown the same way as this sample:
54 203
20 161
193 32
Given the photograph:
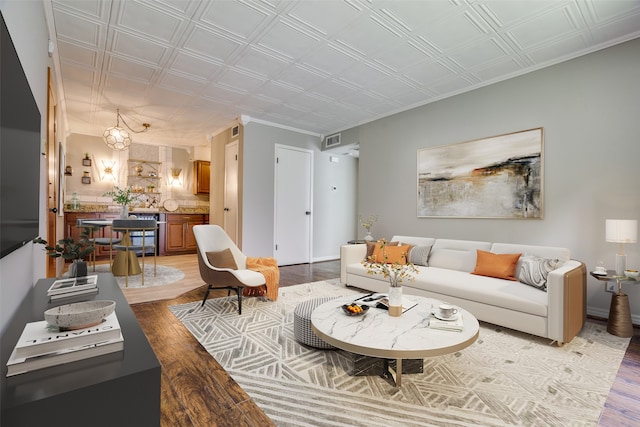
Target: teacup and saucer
600 271
446 312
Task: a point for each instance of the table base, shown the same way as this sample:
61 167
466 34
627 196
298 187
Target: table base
359 365
120 264
620 316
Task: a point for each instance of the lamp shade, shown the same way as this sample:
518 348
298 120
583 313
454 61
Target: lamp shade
621 230
117 138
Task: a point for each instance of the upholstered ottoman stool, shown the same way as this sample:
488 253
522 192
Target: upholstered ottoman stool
302 323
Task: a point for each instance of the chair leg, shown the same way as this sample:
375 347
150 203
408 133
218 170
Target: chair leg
126 277
239 292
206 294
142 258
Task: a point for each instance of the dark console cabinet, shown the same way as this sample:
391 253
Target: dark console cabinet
117 389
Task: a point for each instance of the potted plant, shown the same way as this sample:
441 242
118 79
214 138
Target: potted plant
124 197
69 249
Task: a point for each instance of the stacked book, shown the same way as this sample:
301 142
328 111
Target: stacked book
73 287
42 345
454 324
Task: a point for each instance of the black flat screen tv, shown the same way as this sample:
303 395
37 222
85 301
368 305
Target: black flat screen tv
19 151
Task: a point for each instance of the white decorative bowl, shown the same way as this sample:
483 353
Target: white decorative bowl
634 274
79 315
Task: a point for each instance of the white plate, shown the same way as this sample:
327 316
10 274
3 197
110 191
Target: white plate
170 205
597 273
448 319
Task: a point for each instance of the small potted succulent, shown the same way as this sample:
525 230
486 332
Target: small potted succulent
69 249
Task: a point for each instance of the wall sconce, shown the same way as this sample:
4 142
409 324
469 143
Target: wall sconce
175 179
107 172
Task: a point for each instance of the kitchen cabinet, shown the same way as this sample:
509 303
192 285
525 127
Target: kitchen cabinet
177 234
202 175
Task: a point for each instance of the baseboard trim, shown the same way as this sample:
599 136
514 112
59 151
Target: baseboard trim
327 258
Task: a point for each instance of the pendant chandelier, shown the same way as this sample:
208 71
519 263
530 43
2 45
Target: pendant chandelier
118 138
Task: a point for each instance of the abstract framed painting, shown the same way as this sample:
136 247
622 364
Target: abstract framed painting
495 177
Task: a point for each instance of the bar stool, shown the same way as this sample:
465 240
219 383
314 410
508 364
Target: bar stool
98 241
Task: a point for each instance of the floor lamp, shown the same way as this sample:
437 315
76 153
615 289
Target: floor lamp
621 231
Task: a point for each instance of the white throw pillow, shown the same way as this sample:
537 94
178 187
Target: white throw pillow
419 255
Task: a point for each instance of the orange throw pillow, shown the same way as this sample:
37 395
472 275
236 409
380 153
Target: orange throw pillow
502 266
377 248
394 255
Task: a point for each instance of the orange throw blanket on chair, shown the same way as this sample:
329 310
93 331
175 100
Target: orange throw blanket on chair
269 269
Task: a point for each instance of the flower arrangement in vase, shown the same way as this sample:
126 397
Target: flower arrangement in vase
124 197
395 271
367 223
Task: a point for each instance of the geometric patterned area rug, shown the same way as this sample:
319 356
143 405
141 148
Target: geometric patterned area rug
505 378
164 275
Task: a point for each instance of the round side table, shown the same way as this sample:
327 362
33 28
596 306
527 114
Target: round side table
619 323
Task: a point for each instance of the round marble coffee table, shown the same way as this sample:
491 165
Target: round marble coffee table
377 334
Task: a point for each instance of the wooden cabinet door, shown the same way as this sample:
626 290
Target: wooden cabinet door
70 227
175 240
202 177
179 236
190 238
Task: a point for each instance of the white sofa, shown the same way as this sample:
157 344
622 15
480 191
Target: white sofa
558 313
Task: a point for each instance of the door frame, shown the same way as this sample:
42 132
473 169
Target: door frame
54 152
275 195
235 208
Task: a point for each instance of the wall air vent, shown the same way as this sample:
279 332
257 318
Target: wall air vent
332 141
235 131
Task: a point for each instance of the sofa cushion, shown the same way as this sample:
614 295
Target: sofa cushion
534 271
412 240
551 252
456 254
502 266
483 289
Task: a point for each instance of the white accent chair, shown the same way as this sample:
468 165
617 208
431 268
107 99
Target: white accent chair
211 238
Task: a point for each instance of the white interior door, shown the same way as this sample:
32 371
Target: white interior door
293 200
231 190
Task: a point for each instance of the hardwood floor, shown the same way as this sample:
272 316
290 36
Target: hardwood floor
196 390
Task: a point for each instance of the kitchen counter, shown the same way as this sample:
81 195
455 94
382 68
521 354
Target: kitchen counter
90 208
